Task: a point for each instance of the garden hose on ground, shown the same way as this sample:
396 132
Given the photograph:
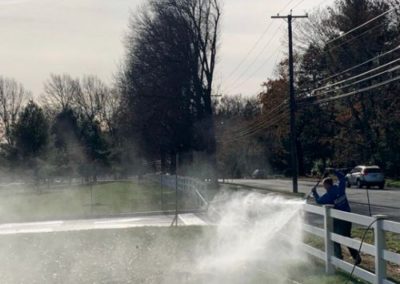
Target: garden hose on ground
361 244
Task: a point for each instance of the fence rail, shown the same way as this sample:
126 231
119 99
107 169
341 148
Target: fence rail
195 187
379 226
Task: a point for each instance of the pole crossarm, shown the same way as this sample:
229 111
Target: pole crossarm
291 16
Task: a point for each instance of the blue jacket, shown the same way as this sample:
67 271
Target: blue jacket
336 195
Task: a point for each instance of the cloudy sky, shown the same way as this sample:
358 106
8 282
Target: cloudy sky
39 37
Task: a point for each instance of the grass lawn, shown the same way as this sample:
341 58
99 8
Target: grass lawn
79 201
392 244
140 255
393 183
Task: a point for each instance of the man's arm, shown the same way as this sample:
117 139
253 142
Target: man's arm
324 199
342 180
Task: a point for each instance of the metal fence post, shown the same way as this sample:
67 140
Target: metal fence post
328 227
380 245
162 192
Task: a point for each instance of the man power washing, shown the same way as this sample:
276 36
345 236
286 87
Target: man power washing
336 196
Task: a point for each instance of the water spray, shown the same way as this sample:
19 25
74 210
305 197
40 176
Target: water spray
249 228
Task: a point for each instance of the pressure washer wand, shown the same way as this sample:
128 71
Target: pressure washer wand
317 184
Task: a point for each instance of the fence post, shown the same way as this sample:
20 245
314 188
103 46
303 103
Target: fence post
380 245
162 192
328 226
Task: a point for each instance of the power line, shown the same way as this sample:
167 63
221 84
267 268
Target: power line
264 33
360 81
352 39
361 64
353 92
269 123
328 50
298 4
260 125
356 76
248 53
261 121
256 58
255 44
287 5
362 25
355 38
241 83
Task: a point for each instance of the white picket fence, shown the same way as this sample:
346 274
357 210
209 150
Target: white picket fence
378 249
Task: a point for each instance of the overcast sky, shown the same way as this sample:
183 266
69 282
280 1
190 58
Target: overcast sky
39 37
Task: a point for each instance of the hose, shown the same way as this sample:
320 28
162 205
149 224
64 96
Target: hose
361 244
366 230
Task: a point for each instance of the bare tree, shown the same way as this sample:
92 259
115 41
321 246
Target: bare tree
168 78
316 31
205 18
92 99
12 98
60 91
202 18
110 108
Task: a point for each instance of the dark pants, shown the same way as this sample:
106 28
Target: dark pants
343 228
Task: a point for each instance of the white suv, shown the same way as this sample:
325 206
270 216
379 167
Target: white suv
366 176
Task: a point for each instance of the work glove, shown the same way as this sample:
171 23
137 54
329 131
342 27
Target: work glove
314 190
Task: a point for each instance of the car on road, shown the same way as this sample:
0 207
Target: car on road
366 176
259 174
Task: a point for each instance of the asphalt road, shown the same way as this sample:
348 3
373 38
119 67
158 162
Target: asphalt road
386 202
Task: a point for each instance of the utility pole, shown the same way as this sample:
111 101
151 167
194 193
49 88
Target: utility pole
293 134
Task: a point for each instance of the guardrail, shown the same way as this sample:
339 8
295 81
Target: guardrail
378 249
